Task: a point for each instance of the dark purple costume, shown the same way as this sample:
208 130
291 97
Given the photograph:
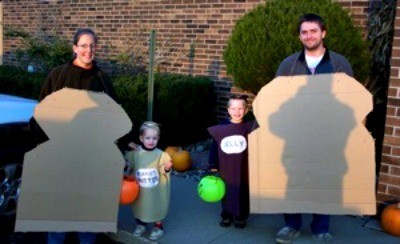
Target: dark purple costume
231 141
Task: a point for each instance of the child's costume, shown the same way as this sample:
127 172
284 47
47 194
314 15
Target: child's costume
231 140
148 167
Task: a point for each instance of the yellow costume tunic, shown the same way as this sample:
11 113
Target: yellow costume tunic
148 167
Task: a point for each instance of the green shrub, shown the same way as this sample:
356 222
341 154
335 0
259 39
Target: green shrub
183 105
44 51
19 82
268 34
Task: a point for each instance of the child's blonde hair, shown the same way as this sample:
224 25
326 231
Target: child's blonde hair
149 125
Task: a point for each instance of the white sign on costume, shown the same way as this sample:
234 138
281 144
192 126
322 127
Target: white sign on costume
233 144
147 178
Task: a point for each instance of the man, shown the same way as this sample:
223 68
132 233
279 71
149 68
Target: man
315 58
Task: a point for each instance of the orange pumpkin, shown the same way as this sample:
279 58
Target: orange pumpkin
390 219
129 190
181 161
171 150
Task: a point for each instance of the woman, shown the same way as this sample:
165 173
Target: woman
81 72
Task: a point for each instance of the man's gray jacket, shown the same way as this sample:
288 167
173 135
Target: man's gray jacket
331 62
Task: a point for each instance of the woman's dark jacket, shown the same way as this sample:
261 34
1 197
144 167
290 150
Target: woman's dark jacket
71 76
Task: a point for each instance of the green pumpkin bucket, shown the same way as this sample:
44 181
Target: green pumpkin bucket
211 189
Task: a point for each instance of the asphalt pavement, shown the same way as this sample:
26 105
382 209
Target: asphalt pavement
191 220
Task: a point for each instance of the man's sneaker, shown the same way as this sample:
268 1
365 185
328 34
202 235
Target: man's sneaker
139 230
287 235
322 237
156 233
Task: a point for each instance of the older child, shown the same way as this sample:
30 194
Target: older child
229 155
151 167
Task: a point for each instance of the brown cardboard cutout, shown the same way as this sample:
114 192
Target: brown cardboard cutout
312 153
72 182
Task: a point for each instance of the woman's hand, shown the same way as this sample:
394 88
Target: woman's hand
132 145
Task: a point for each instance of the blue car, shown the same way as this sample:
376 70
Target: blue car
15 140
15 109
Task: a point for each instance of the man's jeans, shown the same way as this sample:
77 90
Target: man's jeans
319 224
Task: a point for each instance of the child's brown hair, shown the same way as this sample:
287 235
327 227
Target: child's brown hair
237 97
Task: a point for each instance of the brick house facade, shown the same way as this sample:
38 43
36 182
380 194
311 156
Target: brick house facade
389 177
202 24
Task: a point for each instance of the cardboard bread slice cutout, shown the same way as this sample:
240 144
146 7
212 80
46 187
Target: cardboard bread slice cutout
72 182
312 153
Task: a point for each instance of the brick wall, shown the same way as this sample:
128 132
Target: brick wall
389 177
205 23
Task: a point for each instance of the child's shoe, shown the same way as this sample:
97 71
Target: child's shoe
225 222
240 224
156 233
139 230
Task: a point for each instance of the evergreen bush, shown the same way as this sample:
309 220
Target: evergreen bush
262 38
183 105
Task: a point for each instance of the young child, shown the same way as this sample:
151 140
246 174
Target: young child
150 167
229 155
